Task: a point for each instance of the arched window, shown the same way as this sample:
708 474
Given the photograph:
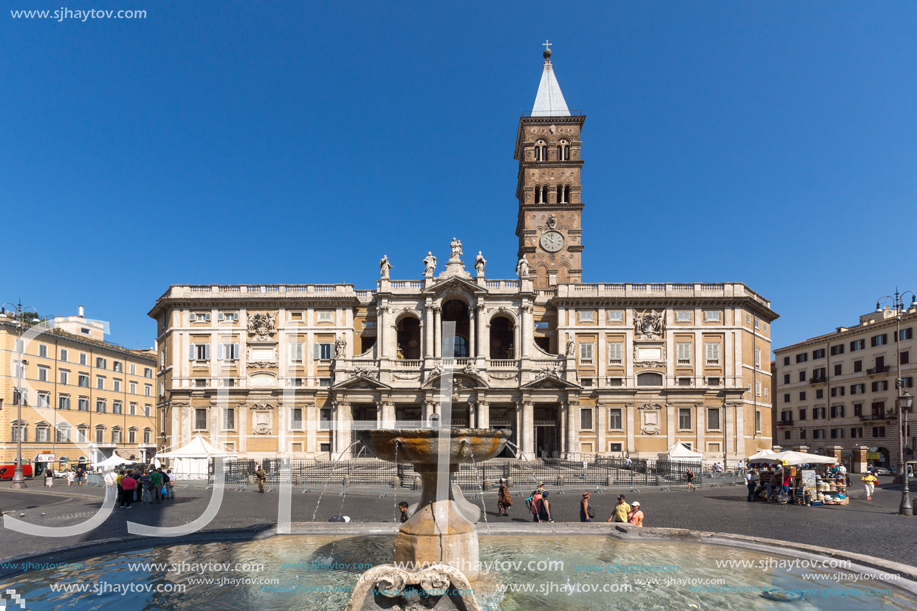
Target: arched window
540 194
537 153
567 194
649 379
566 153
563 150
560 195
461 347
544 152
541 151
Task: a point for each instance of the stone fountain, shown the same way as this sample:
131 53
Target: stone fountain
436 550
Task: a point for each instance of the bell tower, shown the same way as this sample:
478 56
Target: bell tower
548 189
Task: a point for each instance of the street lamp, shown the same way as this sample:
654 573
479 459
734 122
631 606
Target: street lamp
904 402
18 478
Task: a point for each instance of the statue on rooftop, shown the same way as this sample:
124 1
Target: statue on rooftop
479 263
456 249
384 267
522 268
429 263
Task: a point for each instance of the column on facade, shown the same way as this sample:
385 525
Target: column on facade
601 411
700 427
312 424
528 428
437 331
670 422
380 416
471 333
740 430
427 412
528 330
630 427
601 355
472 413
428 329
728 410
483 335
562 441
572 411
670 356
483 415
388 415
381 321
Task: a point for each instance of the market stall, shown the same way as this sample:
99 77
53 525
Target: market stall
804 479
192 460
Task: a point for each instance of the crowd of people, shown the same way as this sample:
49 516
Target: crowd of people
142 485
539 505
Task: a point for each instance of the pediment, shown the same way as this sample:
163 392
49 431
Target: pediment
453 284
550 382
361 382
461 381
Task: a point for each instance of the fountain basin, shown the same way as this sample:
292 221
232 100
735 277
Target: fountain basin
421 446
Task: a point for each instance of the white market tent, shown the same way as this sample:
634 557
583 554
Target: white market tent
679 452
192 460
762 454
112 461
796 458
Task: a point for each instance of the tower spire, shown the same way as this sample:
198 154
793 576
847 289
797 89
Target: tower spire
549 102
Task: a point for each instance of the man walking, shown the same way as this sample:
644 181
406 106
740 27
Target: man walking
170 484
751 485
156 486
621 510
261 474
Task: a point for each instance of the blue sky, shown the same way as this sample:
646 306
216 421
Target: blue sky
289 142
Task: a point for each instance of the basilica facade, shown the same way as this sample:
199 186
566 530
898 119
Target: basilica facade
569 369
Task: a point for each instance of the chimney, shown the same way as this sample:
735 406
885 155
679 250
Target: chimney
81 311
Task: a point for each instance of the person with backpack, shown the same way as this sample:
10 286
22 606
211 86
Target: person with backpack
534 505
586 512
544 514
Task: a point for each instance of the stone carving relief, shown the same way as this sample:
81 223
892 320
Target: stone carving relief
366 372
340 346
389 587
650 423
552 221
649 326
262 324
493 375
552 369
650 406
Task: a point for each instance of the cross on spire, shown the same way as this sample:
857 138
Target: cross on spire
546 45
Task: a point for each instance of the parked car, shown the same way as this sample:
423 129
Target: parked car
883 471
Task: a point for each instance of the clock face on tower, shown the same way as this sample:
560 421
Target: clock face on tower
552 241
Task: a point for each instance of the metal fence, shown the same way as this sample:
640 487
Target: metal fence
557 474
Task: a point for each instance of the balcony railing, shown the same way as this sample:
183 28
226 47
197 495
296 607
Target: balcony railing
785 422
818 380
878 370
409 364
503 364
885 416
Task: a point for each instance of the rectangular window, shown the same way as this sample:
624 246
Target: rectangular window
296 423
684 419
905 358
880 363
228 316
323 352
786 361
133 369
586 351
586 316
64 354
684 353
132 409
713 418
838 369
786 434
100 435
325 316
818 434
802 358
836 350
786 397
878 431
131 436
133 388
116 436
116 385
100 406
146 436
116 407
200 419
63 402
818 354
857 366
148 390
802 414
786 378
296 352
200 352
857 409
819 394
615 353
324 422
148 372
907 334
229 419
146 410
82 359
712 315
683 316
43 374
615 421
44 399
837 411
758 388
100 383
758 421
116 366
712 353
802 395
837 391
63 434
880 386
802 434
324 382
758 358
857 344
82 404
802 376
83 380
819 413
100 362
614 447
615 316
585 418
857 389
539 325
879 340
228 352
200 317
